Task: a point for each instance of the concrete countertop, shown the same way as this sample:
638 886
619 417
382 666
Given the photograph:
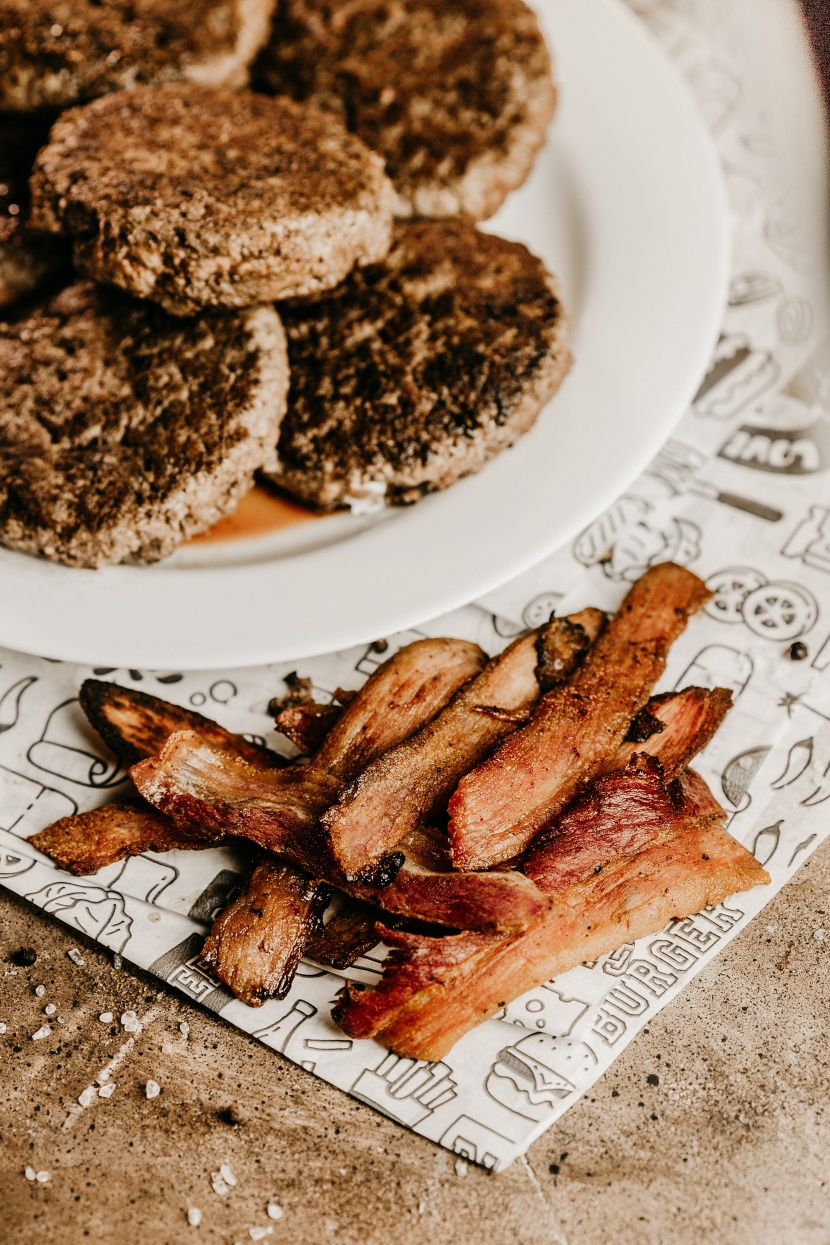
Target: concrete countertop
712 1126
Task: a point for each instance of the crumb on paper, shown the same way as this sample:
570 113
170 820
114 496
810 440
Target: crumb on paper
152 1089
274 1211
105 1018
194 1216
107 1091
42 1032
154 916
76 957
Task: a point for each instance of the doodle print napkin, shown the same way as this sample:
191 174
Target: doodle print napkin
741 494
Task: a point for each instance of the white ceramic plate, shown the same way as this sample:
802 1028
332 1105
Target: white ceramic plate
626 204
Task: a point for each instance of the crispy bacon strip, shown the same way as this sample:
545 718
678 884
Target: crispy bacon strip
500 806
683 723
83 844
425 887
410 784
347 936
620 815
435 990
257 942
307 725
135 725
219 794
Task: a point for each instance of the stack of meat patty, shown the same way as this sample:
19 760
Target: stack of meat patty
240 241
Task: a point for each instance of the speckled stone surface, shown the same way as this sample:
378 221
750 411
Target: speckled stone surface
712 1126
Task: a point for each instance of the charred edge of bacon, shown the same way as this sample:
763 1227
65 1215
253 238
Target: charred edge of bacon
134 724
306 725
562 645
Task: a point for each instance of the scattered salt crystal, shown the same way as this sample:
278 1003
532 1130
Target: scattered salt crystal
43 1177
258 1234
107 1091
76 957
42 1032
274 1211
194 1216
227 1175
30 1173
128 1018
2 1027
50 1009
421 1207
218 1185
820 935
86 1095
152 1089
40 991
154 916
184 1029
105 1018
460 1167
117 961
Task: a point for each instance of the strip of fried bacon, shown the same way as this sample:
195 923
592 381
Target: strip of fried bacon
678 726
499 807
135 725
409 785
257 942
307 724
219 794
436 989
87 842
349 934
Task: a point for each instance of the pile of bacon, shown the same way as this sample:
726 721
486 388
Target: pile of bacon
494 823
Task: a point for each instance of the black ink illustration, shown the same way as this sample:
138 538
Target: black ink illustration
279 1033
505 627
717 92
475 1142
810 542
629 538
215 897
12 863
738 375
787 235
797 451
408 1090
531 1077
777 610
181 967
739 775
537 612
766 843
798 759
615 964
57 751
10 702
144 878
549 1009
752 287
94 910
718 665
795 321
29 805
802 847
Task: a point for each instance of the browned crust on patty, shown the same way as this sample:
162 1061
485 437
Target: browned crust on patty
124 431
456 95
59 52
27 258
418 370
197 197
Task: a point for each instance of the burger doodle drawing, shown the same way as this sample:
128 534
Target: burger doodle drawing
534 1074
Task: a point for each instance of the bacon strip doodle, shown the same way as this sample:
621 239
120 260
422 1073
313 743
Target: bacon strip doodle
135 725
257 942
435 989
499 807
686 721
86 842
410 784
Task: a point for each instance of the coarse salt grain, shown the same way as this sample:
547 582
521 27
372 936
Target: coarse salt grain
184 1029
128 1018
219 1186
76 957
2 1027
107 1091
117 961
42 1032
105 1018
820 935
40 991
30 1173
258 1234
460 1167
152 1089
43 1177
86 1095
274 1211
194 1216
50 1009
154 916
227 1175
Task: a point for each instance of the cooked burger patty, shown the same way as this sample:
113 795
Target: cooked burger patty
26 258
417 370
59 52
123 430
456 95
198 197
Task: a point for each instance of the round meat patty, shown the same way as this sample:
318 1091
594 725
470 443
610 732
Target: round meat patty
418 370
456 95
59 52
124 431
196 197
26 258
